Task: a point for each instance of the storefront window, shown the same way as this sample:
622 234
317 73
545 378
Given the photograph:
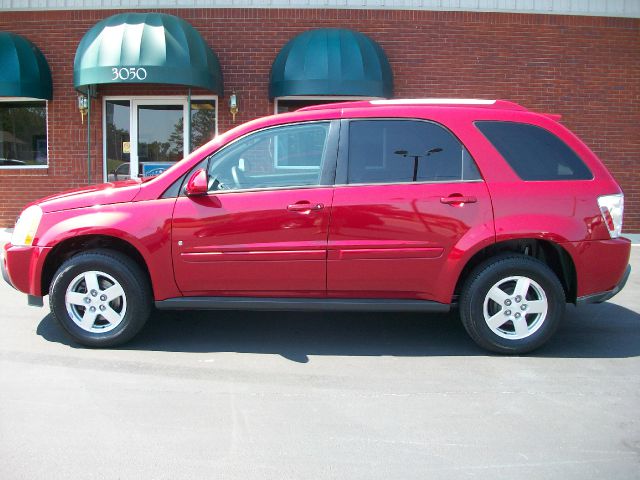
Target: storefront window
118 139
291 104
203 122
23 134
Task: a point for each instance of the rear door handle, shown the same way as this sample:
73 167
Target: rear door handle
305 207
458 199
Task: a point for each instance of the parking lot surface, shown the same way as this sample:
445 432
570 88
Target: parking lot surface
244 395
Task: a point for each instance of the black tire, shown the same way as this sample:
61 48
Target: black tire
498 271
135 302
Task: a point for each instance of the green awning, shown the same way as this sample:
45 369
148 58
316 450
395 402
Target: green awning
146 48
331 61
24 72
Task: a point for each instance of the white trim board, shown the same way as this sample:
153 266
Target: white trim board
602 8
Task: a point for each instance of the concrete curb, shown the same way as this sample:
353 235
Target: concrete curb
634 237
5 235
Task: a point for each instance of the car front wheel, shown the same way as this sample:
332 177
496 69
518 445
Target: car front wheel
512 304
101 298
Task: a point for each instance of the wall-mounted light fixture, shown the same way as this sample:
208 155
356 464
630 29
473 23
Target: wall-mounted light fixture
233 105
83 105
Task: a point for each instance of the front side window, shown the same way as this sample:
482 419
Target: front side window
23 134
400 151
533 152
272 158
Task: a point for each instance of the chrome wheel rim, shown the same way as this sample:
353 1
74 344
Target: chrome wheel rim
96 302
515 307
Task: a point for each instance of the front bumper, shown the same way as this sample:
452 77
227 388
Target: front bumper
3 267
604 296
22 268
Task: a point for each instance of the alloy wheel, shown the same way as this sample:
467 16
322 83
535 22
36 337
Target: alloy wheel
96 301
515 307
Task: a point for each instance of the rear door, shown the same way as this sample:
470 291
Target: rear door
406 192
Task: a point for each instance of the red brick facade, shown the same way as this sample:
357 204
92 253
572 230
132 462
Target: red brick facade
586 68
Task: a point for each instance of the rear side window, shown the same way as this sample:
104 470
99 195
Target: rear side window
400 151
533 152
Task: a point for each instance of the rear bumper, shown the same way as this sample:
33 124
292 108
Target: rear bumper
604 296
600 266
22 268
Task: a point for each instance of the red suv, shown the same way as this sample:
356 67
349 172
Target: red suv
394 205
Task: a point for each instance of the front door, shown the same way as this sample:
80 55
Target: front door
262 228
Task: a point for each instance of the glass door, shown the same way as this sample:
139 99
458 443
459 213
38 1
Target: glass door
144 136
160 130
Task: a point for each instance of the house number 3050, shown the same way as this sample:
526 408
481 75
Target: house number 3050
129 73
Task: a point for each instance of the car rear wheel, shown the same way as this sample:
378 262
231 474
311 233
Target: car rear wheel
101 298
512 304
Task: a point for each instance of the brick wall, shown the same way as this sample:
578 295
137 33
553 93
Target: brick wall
586 68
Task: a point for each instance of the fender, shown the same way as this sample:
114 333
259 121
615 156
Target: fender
474 242
145 225
469 244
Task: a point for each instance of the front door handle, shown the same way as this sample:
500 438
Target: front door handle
305 207
456 199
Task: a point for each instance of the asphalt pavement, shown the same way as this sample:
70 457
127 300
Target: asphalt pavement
241 395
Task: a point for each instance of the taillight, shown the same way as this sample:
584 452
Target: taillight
611 207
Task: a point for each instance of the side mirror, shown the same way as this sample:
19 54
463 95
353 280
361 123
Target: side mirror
197 184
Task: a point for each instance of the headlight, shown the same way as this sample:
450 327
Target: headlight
26 226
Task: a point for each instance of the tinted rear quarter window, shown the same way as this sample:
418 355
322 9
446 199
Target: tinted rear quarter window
533 152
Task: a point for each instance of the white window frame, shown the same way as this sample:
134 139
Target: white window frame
46 123
134 102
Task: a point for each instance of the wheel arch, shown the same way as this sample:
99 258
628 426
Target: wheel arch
551 253
74 245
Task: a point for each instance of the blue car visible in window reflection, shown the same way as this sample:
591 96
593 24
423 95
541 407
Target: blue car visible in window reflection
123 171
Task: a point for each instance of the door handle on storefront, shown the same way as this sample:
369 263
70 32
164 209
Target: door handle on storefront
304 207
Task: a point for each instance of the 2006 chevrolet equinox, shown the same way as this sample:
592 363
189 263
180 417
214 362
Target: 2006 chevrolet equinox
394 205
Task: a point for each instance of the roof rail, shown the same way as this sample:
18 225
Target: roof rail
444 102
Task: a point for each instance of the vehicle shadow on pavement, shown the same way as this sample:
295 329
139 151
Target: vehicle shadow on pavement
594 331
